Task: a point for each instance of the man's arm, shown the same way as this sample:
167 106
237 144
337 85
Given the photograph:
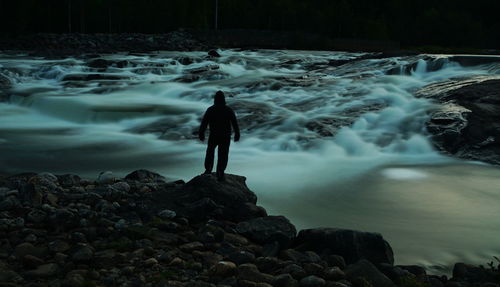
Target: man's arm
236 128
203 126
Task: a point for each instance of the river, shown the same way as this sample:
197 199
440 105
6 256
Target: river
322 143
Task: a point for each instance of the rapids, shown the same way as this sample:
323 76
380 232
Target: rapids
328 138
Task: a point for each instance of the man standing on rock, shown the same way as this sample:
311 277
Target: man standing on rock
220 118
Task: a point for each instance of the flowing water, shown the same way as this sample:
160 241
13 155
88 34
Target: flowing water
325 145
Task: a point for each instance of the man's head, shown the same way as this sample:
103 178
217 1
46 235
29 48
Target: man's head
219 98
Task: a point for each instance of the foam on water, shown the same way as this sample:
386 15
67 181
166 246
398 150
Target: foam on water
403 174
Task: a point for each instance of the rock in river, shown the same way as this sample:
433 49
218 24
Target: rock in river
350 244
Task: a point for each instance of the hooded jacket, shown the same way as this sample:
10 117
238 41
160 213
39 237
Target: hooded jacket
220 118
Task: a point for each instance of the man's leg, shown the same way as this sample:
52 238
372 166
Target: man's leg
209 157
222 156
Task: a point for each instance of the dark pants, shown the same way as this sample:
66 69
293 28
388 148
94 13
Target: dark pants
222 153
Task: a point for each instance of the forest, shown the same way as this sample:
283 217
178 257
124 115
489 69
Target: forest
447 23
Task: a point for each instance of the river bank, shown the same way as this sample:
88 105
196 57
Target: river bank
142 230
47 44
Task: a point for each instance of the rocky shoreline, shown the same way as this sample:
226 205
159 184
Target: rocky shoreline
46 44
141 230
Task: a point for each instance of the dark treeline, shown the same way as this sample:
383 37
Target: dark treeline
452 23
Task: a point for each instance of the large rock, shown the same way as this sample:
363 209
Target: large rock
69 180
312 281
43 271
350 244
144 175
268 229
366 270
470 273
467 123
228 199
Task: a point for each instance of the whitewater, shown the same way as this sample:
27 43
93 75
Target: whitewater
328 138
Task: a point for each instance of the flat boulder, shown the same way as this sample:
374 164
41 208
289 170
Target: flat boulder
268 229
231 198
352 245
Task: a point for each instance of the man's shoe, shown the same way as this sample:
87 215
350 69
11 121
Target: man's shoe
207 172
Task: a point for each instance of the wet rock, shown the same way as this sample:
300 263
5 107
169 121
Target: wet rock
350 244
473 60
334 274
83 254
396 273
292 255
470 273
335 260
185 61
99 63
210 234
121 187
43 271
312 281
31 262
94 77
314 269
74 279
10 276
150 262
167 214
285 280
69 180
365 269
435 281
467 124
268 229
8 224
269 264
6 192
9 203
105 177
121 224
224 269
213 54
59 246
295 270
60 258
36 215
229 195
24 249
416 270
143 175
271 249
192 246
241 257
5 84
250 272
204 69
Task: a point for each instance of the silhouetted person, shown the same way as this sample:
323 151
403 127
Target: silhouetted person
219 118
